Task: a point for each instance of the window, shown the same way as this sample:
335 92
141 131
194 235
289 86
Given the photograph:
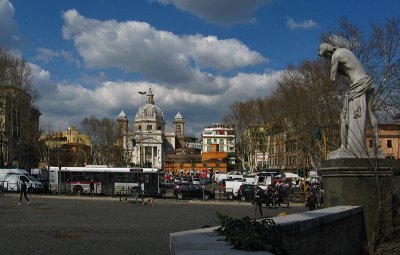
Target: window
178 130
221 148
389 143
139 127
370 143
149 127
159 128
208 141
215 140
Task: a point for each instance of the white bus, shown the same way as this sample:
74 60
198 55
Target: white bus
107 180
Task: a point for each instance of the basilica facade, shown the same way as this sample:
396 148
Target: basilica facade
147 141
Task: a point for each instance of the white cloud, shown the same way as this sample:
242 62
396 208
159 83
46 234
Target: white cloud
158 56
224 12
8 26
46 55
63 104
185 73
306 24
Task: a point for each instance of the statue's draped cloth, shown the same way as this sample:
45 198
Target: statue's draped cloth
354 116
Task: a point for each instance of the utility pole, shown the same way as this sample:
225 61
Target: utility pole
141 132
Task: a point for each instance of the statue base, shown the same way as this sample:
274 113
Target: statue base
353 181
345 153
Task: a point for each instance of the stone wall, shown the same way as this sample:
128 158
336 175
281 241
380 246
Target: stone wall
335 230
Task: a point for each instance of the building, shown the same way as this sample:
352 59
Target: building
19 128
192 162
220 134
389 139
66 148
148 141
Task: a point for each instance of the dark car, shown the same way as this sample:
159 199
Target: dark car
189 190
168 184
246 192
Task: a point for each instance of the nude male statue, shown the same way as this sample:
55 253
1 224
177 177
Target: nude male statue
345 63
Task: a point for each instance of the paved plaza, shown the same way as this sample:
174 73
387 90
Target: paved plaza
85 225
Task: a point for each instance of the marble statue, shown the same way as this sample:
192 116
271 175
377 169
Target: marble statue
358 103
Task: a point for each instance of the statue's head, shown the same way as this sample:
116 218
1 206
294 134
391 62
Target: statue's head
326 50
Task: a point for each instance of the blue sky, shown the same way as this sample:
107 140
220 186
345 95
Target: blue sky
92 57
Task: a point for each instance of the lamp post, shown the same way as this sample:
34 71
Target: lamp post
141 131
69 129
84 153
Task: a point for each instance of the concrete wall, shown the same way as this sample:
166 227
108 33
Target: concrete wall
335 230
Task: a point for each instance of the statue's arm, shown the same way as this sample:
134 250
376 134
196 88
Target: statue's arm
334 68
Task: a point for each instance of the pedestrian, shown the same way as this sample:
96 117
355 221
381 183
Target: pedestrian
91 187
258 200
23 193
277 198
139 192
312 202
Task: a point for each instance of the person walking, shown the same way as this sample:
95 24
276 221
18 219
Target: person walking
258 200
312 202
91 185
23 190
139 192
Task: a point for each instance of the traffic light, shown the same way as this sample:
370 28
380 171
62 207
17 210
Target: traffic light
300 172
317 134
133 142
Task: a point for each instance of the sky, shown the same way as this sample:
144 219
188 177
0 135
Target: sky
92 57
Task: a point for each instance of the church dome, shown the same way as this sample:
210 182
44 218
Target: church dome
150 111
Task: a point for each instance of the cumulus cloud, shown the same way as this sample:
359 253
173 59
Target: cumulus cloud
158 56
64 103
224 12
186 73
8 26
46 55
306 24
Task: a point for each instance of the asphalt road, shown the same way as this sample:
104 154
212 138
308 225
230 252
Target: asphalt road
83 225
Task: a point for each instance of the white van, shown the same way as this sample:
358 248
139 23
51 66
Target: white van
11 179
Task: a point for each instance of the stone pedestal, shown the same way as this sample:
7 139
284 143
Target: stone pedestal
353 181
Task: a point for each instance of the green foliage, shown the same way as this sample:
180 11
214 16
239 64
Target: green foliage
249 234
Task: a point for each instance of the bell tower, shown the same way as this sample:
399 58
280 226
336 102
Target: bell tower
179 130
122 129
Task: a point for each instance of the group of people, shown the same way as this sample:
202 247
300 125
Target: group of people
280 193
272 196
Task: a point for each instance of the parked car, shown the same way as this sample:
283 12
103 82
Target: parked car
11 179
196 181
205 181
246 192
185 179
189 190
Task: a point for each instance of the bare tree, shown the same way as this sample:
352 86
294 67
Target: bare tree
103 135
309 103
17 97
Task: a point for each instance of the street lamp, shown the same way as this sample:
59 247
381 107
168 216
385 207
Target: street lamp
141 131
77 160
69 129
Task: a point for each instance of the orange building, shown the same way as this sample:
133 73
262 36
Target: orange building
187 164
389 137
